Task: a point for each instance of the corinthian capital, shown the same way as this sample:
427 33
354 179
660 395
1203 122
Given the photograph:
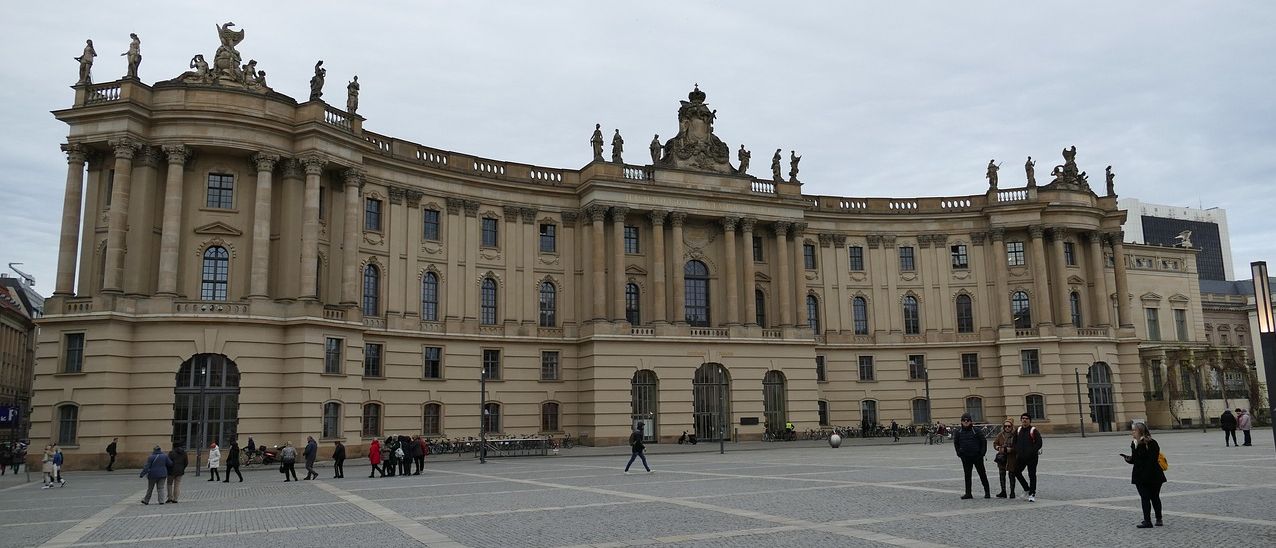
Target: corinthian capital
781 229
1036 231
125 147
264 161
657 217
728 223
353 177
747 223
597 213
177 154
75 153
677 218
618 213
313 163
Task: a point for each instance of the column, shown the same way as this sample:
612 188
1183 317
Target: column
511 309
394 227
1063 301
570 253
143 192
470 286
353 183
412 283
259 279
171 228
678 263
71 202
799 275
782 289
313 165
985 313
86 278
1122 287
1002 299
286 274
828 278
452 297
943 316
733 285
746 262
527 251
1099 291
659 305
597 261
124 150
618 263
1042 307
841 277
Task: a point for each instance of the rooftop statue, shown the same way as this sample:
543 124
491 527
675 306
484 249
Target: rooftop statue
316 81
228 68
617 147
992 174
352 96
793 166
1031 168
1185 238
743 155
695 146
1067 176
1111 185
226 63
86 63
596 142
655 149
134 55
775 166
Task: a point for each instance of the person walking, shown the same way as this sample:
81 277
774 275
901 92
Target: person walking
411 449
374 458
1027 448
1228 423
110 451
232 462
1005 446
156 473
1146 475
635 443
6 456
214 461
288 458
19 457
423 449
310 452
177 461
894 431
46 466
971 448
338 460
57 465
392 456
1244 421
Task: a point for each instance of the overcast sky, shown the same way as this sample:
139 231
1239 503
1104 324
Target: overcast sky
881 99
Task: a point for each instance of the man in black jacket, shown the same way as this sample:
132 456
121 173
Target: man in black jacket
971 447
339 460
176 470
1027 447
111 450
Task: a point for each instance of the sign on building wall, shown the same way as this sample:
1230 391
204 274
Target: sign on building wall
9 416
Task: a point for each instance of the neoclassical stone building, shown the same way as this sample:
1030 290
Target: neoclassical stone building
250 265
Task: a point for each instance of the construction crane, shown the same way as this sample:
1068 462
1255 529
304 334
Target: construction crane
29 278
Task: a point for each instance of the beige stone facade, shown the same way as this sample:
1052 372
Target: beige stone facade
348 252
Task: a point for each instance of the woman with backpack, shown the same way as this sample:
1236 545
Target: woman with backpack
1147 475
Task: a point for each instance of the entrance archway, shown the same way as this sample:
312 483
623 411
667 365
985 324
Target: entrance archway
774 404
206 401
1099 381
644 402
711 392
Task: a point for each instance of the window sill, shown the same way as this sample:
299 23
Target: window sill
433 379
495 380
1031 375
367 378
376 231
69 374
68 447
231 211
552 380
819 381
963 268
332 439
972 378
867 380
329 374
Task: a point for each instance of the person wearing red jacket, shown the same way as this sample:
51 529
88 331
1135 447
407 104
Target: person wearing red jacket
423 449
374 458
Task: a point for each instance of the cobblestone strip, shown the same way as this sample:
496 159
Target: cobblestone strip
79 530
529 510
1215 517
414 529
228 533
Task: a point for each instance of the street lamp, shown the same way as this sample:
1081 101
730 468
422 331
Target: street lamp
926 379
1266 331
722 420
483 415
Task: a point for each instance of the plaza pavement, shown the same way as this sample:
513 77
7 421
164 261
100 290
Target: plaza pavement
800 494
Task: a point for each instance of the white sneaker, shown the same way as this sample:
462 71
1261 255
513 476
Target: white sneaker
651 471
626 472
1032 498
46 486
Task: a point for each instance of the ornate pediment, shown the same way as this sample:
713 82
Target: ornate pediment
696 147
1179 298
219 228
635 270
1075 280
1150 297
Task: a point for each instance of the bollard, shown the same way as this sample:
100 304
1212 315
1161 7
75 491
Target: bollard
835 441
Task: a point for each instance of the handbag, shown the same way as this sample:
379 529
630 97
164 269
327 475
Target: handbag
1160 461
1000 458
282 470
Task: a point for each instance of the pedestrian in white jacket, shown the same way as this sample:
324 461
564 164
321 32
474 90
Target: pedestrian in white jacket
214 460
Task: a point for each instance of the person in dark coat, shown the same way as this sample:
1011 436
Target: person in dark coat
1146 475
1228 423
1027 448
339 460
156 473
310 453
391 449
111 451
176 470
1005 446
971 448
635 443
232 462
409 455
6 455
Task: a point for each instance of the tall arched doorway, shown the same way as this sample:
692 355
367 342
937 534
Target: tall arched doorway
206 402
644 402
774 401
1099 380
711 389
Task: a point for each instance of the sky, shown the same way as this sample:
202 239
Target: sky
898 99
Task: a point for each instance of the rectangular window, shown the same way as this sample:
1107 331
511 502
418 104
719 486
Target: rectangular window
631 240
808 256
970 366
824 412
916 367
73 361
1036 405
866 368
1180 324
906 259
372 360
1069 254
821 373
757 249
549 365
857 258
490 233
221 191
1030 362
975 406
491 364
961 260
323 203
332 355
1014 254
549 238
110 188
432 362
430 224
372 215
1154 323
68 416
1158 382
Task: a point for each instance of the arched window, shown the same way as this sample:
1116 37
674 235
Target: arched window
68 423
1020 310
492 417
813 313
549 417
487 302
549 305
633 304
371 420
759 303
921 411
644 401
965 314
975 406
774 401
371 290
868 412
859 308
430 297
214 273
205 401
1074 302
331 420
912 316
696 278
432 419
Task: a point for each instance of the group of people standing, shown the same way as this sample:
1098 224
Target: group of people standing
397 456
12 456
1017 451
1230 423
